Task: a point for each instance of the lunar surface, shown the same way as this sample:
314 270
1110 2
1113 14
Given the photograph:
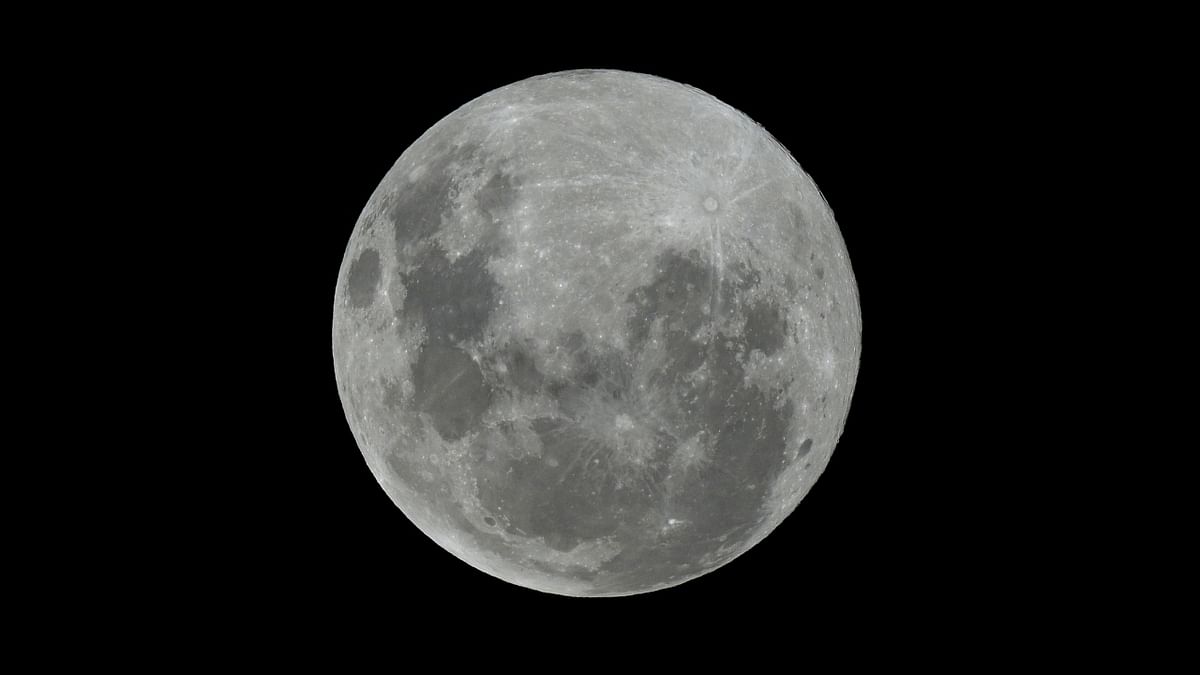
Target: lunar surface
596 333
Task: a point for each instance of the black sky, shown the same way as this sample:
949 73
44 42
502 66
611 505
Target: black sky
896 521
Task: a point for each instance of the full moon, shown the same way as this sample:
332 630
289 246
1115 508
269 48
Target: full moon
596 333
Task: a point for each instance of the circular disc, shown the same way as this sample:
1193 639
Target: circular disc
596 333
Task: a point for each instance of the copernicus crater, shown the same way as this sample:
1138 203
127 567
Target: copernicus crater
596 333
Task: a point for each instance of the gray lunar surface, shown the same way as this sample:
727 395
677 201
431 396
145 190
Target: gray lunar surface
596 333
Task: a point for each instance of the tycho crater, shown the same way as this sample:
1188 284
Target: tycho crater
596 333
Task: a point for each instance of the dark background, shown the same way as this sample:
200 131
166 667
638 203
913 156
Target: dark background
902 523
201 173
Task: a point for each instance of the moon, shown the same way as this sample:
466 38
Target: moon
596 333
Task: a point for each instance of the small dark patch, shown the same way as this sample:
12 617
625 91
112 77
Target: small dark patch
403 469
363 278
521 368
766 327
392 395
743 276
490 521
574 341
804 448
453 299
496 200
420 206
449 386
679 296
686 355
797 213
498 197
609 374
820 272
737 281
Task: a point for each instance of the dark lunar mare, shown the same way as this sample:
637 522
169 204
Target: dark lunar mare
453 300
418 207
723 500
448 385
766 327
363 278
564 499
